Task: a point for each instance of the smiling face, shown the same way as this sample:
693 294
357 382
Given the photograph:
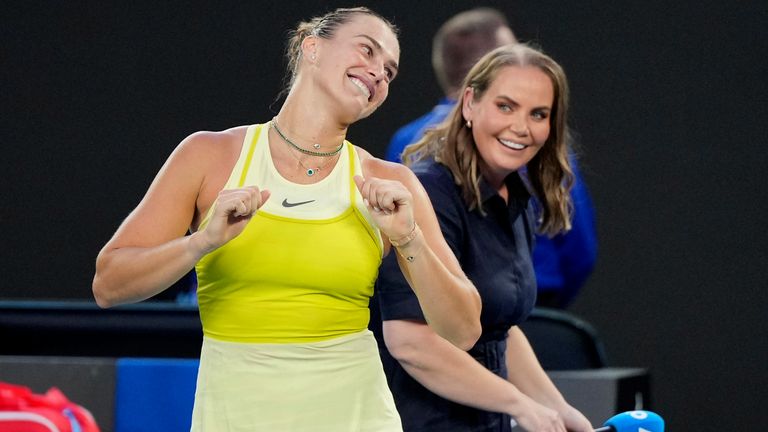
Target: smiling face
356 65
511 120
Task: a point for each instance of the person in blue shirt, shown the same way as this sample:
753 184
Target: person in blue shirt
562 262
512 114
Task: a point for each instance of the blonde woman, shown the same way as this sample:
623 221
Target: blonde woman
289 223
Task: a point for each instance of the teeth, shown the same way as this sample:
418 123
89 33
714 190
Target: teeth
363 88
513 145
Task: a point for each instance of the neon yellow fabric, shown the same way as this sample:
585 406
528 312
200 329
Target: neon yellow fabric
286 279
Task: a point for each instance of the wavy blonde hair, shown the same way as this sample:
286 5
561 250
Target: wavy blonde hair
549 173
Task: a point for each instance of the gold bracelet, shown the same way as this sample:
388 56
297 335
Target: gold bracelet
402 241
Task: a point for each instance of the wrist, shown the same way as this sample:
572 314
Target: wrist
407 246
516 403
198 245
403 241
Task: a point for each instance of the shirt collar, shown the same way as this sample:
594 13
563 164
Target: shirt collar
516 190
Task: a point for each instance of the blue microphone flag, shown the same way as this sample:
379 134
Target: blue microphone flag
636 421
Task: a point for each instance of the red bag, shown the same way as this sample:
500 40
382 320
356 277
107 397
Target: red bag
23 411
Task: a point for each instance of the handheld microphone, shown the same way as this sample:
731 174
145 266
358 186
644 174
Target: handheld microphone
634 421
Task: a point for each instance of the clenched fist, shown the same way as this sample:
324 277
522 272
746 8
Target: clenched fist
232 211
390 204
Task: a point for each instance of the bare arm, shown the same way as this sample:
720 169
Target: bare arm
149 251
526 373
399 204
454 375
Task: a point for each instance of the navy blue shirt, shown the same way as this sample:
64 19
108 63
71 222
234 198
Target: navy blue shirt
494 251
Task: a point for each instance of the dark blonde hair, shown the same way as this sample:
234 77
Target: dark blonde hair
549 172
325 27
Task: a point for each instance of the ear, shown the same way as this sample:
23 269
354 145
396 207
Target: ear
467 99
309 48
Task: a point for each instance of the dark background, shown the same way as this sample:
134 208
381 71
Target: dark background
668 98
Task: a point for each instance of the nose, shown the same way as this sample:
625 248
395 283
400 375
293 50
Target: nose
376 70
518 125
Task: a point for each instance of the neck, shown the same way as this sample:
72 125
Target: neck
496 180
306 120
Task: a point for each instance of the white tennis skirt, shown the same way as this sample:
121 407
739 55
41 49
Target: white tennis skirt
336 385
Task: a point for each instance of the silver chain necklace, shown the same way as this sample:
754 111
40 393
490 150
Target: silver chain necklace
273 123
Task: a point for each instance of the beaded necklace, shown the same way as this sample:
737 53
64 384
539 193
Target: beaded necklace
273 123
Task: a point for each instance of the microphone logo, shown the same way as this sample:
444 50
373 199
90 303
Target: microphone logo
635 421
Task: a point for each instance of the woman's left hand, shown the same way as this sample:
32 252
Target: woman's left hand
390 204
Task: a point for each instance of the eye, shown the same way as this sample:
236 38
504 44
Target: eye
390 74
504 107
368 50
540 115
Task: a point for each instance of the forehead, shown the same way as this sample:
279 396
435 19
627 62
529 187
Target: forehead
373 27
519 82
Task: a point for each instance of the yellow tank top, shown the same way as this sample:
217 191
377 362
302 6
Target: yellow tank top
303 269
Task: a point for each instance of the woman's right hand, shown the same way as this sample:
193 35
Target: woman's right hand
534 417
232 211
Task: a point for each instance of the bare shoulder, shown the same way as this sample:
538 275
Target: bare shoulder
208 146
209 157
206 158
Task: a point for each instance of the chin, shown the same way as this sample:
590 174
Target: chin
366 113
361 114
